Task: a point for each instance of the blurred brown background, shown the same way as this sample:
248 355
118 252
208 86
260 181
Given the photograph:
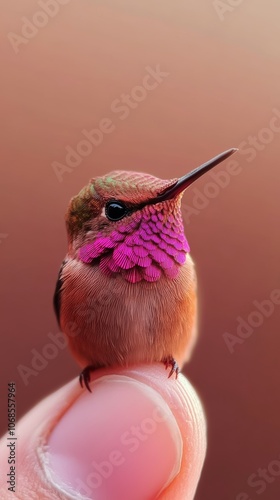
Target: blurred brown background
222 90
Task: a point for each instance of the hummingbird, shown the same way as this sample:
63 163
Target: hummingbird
127 289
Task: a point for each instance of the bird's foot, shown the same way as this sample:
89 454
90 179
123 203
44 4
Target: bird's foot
84 377
170 361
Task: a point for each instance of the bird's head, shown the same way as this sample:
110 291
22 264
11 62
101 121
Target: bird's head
130 224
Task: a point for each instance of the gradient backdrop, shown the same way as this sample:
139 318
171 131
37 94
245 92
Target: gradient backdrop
221 88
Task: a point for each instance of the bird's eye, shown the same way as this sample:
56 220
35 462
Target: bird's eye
115 210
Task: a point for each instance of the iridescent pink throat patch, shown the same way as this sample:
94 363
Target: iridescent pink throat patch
151 243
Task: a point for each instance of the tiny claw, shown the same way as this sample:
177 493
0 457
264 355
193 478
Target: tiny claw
84 377
170 361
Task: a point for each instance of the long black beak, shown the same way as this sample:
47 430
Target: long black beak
185 181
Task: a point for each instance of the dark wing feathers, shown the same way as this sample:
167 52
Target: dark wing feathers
57 293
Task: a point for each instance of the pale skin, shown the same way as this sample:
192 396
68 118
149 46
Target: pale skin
33 431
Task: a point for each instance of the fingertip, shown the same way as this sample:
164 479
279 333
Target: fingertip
126 444
148 428
113 449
